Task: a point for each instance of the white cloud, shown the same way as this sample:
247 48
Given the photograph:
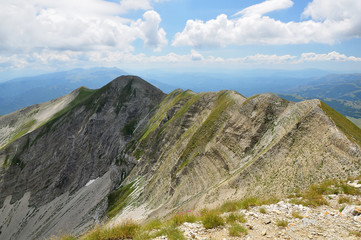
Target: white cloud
196 56
267 6
269 59
135 5
150 32
127 5
78 58
338 21
332 56
85 25
335 10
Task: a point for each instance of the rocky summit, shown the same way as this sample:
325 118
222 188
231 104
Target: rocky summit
128 150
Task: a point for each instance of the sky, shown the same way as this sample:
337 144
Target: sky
179 35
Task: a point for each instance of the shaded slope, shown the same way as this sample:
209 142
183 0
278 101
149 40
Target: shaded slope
80 143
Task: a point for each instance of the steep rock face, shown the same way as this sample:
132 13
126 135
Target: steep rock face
81 143
25 120
200 149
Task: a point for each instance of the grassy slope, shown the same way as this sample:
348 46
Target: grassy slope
356 121
208 129
346 126
172 99
118 199
84 94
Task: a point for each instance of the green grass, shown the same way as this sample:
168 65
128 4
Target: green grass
314 195
346 126
347 189
118 199
129 128
355 233
356 121
262 210
21 131
172 233
68 238
211 219
230 206
237 230
83 95
246 203
63 237
343 199
311 198
236 217
208 130
296 214
282 222
182 217
172 99
192 100
126 230
153 224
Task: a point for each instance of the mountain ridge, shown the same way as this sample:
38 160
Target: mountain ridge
161 153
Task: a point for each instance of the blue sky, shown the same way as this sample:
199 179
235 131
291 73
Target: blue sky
179 35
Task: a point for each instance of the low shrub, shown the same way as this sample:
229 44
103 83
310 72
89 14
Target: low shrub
344 199
237 230
246 203
183 217
236 217
171 231
153 224
125 230
355 233
230 206
262 210
347 189
296 214
282 222
211 219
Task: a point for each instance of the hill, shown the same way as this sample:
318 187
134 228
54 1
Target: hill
129 150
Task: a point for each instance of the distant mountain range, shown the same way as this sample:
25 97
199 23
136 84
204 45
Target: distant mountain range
21 92
340 91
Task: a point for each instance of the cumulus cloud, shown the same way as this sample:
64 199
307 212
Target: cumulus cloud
329 21
74 25
153 36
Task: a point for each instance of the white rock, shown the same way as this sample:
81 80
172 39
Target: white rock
351 210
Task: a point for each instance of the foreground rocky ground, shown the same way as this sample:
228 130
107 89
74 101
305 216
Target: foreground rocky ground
285 220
